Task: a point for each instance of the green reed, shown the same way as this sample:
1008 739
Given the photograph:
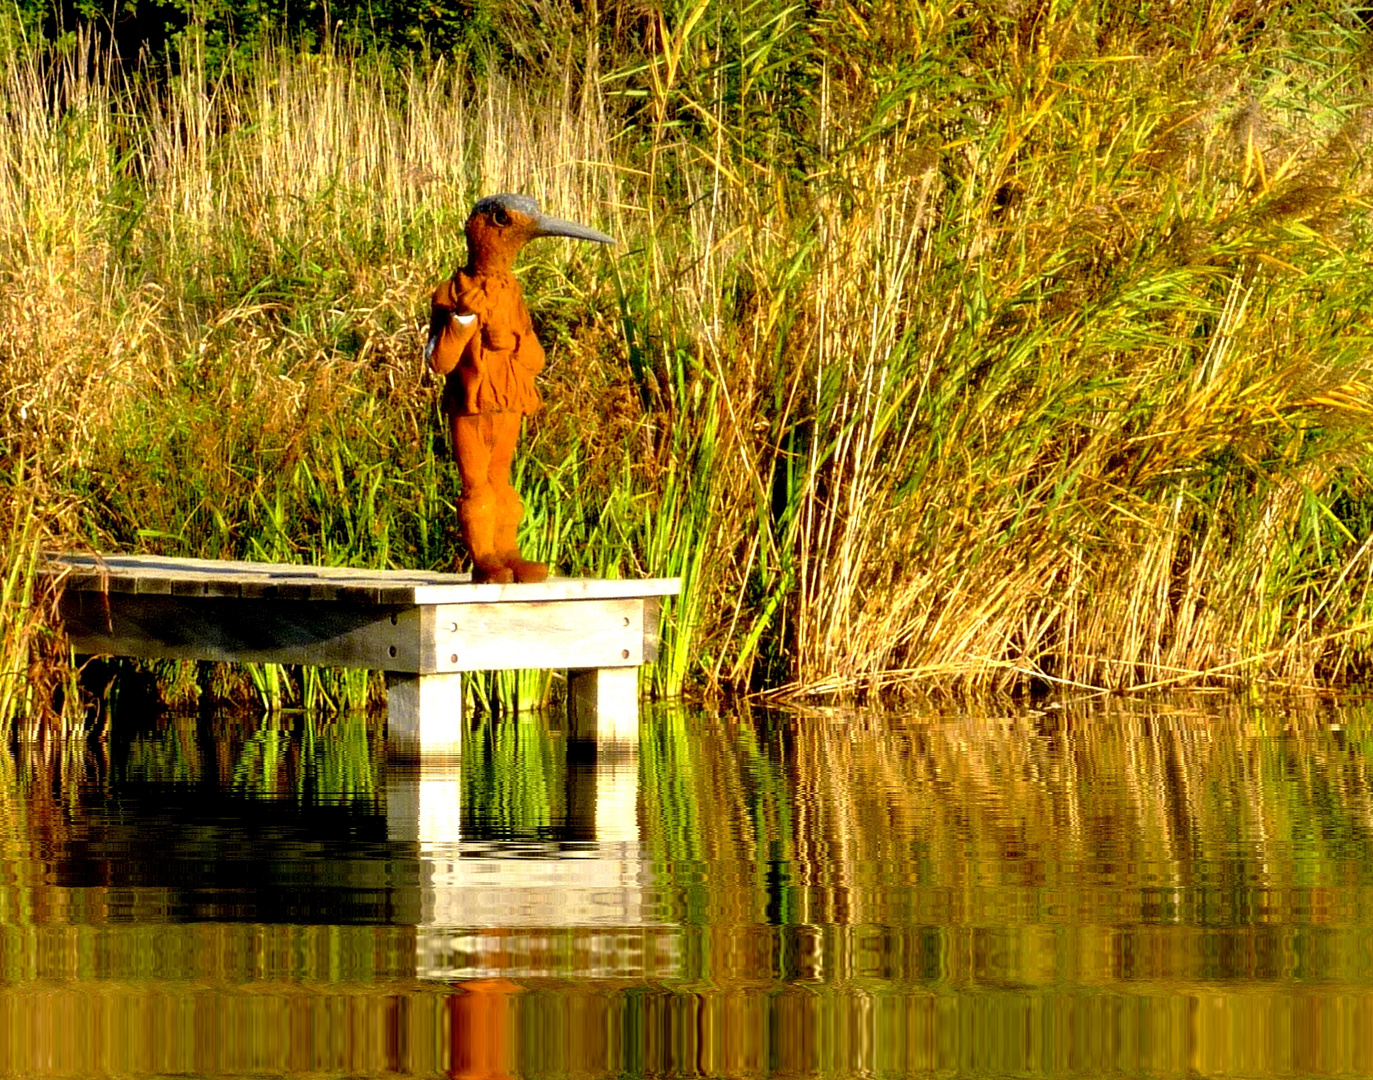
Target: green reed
37 686
989 351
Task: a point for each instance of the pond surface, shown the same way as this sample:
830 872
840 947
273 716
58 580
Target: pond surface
1165 890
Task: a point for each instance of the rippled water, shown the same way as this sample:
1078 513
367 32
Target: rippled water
1170 890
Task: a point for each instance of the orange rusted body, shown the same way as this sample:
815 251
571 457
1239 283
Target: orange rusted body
482 341
491 363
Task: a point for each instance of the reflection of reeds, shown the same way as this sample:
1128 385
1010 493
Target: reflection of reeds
1167 888
514 778
342 761
321 761
325 761
1185 812
169 756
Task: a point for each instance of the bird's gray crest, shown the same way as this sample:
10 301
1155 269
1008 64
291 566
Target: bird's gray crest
525 204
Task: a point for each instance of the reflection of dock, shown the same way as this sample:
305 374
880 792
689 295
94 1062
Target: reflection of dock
423 629
571 904
479 907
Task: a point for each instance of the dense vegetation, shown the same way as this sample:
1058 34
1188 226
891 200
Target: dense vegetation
955 344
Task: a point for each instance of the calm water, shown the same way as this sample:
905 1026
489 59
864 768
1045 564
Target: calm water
1174 890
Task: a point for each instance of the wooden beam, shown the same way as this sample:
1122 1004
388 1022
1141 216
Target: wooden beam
425 640
513 634
319 633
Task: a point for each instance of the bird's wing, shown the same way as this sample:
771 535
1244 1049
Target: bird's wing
438 323
451 325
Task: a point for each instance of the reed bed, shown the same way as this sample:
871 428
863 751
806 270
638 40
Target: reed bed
965 346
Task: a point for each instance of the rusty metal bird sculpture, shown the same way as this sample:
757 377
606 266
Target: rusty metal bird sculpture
481 339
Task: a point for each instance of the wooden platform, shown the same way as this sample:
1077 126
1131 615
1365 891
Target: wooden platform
422 628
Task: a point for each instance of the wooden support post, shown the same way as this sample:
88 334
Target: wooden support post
603 703
424 713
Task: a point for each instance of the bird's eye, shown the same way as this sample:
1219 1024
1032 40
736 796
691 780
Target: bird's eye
500 215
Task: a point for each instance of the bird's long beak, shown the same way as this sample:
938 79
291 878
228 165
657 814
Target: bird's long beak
551 226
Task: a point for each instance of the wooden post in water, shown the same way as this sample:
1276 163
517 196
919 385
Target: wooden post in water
603 707
424 713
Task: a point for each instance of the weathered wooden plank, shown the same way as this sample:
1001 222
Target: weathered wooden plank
223 587
287 590
158 566
153 626
88 569
159 575
570 634
555 588
82 579
253 590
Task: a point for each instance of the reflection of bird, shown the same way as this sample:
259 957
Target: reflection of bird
482 1017
481 338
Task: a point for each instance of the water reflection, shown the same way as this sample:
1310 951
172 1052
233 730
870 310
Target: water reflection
1167 890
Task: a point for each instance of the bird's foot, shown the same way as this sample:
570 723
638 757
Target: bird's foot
526 572
495 575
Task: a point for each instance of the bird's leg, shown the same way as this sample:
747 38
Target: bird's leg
508 514
478 518
477 508
508 509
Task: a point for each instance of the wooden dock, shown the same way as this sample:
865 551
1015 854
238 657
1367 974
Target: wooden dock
422 628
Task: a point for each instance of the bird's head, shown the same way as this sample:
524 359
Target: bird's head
500 225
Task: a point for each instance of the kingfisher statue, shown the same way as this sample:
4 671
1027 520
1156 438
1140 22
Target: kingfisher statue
482 341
